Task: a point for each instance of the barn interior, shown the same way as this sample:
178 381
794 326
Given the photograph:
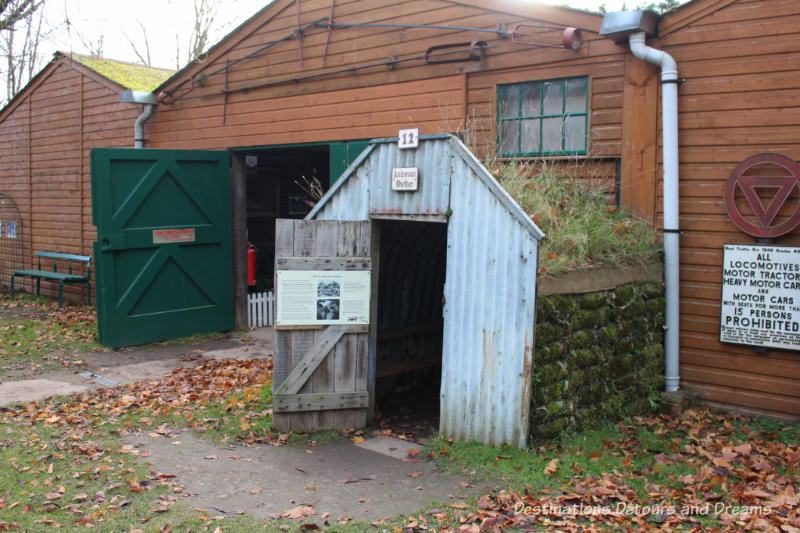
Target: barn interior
281 183
411 275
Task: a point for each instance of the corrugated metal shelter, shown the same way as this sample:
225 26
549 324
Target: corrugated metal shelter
453 277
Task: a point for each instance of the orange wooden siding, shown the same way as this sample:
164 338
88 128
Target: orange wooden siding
45 139
741 97
289 101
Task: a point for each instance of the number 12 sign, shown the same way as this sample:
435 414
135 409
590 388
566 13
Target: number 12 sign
408 138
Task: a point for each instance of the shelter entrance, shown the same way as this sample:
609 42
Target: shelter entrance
408 356
286 182
281 183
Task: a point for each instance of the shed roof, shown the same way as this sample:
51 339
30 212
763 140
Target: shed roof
115 75
689 13
126 75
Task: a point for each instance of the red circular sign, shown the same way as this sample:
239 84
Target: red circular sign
746 178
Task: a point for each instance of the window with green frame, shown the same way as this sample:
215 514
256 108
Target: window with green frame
546 117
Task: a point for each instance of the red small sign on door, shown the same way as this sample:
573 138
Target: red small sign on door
170 236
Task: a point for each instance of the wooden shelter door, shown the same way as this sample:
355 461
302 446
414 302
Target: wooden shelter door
321 371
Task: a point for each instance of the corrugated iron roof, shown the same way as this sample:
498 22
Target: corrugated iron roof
490 290
428 158
128 75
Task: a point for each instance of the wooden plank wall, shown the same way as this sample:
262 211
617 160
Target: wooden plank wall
741 97
14 175
47 139
376 102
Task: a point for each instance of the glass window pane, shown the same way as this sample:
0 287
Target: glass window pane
576 96
530 141
509 136
553 103
551 134
509 100
575 134
531 100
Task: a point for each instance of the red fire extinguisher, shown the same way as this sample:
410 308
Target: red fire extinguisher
251 264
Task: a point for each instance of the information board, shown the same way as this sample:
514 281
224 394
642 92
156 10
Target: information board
322 297
761 296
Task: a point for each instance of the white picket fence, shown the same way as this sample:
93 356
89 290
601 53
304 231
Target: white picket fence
260 309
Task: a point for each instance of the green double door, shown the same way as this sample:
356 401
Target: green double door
163 251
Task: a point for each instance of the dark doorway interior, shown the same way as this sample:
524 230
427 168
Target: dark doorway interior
278 186
411 275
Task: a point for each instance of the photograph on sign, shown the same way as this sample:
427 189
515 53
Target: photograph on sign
760 296
322 297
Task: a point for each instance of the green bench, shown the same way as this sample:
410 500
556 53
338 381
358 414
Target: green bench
61 277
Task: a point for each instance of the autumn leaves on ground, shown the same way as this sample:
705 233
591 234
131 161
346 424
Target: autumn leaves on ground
63 465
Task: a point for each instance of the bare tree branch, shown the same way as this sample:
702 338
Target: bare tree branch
13 11
144 58
204 13
95 48
20 46
178 64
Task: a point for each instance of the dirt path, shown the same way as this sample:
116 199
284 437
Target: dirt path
345 480
128 365
330 482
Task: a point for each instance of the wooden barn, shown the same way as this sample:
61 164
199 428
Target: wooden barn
297 92
46 133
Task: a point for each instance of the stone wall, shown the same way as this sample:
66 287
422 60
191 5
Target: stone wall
599 356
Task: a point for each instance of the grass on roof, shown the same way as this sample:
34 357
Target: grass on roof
582 228
130 76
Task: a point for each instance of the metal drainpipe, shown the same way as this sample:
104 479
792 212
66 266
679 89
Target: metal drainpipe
138 128
669 120
148 101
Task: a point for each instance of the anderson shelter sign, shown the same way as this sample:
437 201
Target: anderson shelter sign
761 296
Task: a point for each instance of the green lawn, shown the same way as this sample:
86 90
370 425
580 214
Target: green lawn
63 464
697 469
39 336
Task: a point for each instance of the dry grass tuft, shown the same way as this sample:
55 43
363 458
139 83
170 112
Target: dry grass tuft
582 229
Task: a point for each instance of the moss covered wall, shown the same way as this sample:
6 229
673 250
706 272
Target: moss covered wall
599 356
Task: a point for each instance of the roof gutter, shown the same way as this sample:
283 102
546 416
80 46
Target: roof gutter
635 27
148 101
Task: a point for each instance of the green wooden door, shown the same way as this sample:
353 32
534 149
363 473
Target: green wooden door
341 155
163 251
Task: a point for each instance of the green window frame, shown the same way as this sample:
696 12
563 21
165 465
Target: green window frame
541 118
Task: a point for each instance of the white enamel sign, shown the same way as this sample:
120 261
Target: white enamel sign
408 138
761 296
322 297
405 179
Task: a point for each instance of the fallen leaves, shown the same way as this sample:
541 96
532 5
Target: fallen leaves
73 439
412 456
551 468
299 512
181 391
744 482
